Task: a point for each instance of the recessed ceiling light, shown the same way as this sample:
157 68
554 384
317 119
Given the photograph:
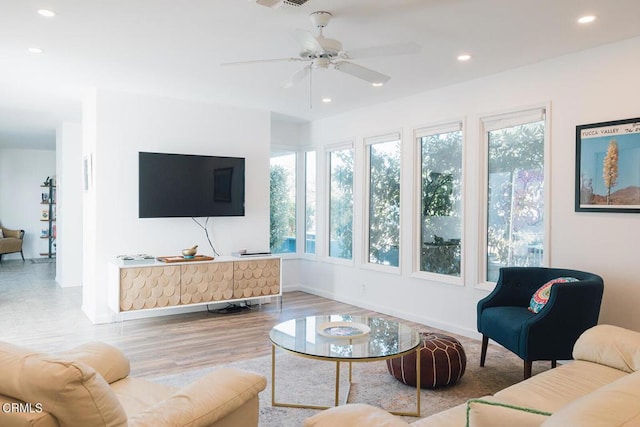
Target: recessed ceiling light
46 12
35 50
587 19
326 100
464 57
377 84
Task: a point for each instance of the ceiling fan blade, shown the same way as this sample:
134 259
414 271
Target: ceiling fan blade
307 41
361 72
261 61
297 77
388 50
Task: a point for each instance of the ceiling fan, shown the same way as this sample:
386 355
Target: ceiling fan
322 52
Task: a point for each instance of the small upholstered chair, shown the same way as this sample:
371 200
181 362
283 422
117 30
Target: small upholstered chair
505 316
11 241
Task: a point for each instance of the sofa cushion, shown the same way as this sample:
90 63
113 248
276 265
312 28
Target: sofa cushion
615 404
107 360
491 413
540 298
609 345
15 413
71 391
204 402
452 417
551 390
354 415
136 395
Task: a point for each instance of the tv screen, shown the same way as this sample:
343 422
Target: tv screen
182 185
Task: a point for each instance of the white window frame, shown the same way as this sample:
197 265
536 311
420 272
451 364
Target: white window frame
303 215
450 126
364 261
326 240
499 121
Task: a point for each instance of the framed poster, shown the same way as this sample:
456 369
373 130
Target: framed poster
608 166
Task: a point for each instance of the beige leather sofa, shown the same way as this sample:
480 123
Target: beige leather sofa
90 386
600 388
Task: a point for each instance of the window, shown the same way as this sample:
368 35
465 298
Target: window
440 199
515 230
341 203
282 238
383 207
310 202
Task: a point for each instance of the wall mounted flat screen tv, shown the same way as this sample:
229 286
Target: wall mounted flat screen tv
183 185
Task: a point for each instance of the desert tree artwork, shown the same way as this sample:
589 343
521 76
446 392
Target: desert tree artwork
608 166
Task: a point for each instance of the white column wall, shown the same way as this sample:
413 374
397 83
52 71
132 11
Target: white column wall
124 124
587 87
69 204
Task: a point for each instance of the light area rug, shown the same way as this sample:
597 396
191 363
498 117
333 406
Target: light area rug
308 381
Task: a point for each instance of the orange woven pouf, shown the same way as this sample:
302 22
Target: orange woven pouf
442 362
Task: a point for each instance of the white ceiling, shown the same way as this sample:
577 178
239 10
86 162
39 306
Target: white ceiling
175 48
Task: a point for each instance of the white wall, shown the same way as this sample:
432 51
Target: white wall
69 204
592 86
22 172
119 125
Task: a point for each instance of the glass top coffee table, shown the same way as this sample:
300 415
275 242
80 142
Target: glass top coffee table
344 338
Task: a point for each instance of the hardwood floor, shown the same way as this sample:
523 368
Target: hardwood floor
36 313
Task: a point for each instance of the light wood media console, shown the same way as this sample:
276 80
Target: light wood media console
162 285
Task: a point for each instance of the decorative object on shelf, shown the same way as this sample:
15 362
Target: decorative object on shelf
190 253
44 215
136 259
607 181
343 329
179 258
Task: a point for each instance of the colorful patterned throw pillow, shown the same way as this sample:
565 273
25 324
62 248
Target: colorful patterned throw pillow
541 296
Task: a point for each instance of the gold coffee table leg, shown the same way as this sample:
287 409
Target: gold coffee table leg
337 399
417 412
273 387
273 375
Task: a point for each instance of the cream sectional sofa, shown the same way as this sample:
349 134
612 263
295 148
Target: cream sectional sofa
90 386
600 388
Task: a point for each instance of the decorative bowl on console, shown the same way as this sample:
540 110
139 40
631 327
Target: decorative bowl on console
191 252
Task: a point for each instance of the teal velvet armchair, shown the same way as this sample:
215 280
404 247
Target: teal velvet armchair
550 334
